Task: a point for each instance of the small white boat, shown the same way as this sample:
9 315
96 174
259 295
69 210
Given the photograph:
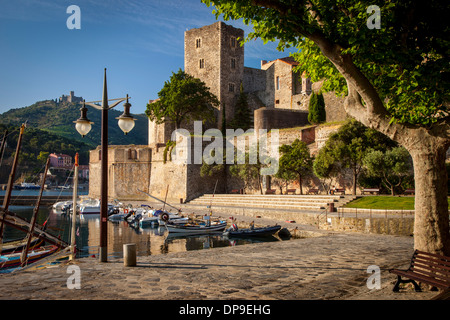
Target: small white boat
89 206
153 218
173 218
62 206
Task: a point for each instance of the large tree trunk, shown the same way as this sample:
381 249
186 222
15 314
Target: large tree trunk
431 226
428 151
300 183
427 147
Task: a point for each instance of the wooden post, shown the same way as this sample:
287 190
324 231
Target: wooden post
24 255
9 188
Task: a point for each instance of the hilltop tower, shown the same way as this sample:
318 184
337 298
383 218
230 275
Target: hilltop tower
70 98
214 55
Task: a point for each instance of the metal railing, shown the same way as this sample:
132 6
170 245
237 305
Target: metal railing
323 213
374 213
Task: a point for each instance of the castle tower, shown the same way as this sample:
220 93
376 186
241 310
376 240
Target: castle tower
214 55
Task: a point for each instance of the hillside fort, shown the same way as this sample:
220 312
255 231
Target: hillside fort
276 94
70 98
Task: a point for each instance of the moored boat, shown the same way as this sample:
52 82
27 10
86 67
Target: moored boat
18 245
62 206
13 260
192 228
27 186
252 232
89 206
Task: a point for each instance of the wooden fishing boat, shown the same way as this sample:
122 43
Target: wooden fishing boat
252 232
191 228
13 260
18 245
186 227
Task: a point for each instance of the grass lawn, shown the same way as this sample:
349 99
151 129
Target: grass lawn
383 202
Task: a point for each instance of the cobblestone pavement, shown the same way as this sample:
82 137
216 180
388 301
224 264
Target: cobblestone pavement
331 267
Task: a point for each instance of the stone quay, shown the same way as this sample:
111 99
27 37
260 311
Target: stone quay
327 265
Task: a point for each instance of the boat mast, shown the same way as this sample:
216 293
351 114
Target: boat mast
24 256
178 209
214 192
165 199
9 188
210 204
2 148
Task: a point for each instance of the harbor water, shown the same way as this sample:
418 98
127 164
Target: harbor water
148 240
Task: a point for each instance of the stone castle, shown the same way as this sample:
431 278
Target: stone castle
278 96
213 54
70 98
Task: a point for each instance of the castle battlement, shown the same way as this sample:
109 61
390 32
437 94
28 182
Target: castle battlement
70 98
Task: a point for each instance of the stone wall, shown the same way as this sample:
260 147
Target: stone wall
213 54
270 118
254 80
281 77
232 67
392 226
281 83
128 170
203 44
323 132
168 176
159 133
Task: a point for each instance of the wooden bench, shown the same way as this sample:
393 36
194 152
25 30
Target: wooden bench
313 190
270 191
410 191
429 268
371 190
293 191
341 190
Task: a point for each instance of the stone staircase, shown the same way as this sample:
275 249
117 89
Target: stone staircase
288 202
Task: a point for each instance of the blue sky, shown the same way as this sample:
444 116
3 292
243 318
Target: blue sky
139 42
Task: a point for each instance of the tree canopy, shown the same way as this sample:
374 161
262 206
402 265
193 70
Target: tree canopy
347 148
183 98
296 160
391 166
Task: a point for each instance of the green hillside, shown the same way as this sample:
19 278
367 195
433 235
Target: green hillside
57 118
36 146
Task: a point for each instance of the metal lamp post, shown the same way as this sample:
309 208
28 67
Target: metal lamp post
83 126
